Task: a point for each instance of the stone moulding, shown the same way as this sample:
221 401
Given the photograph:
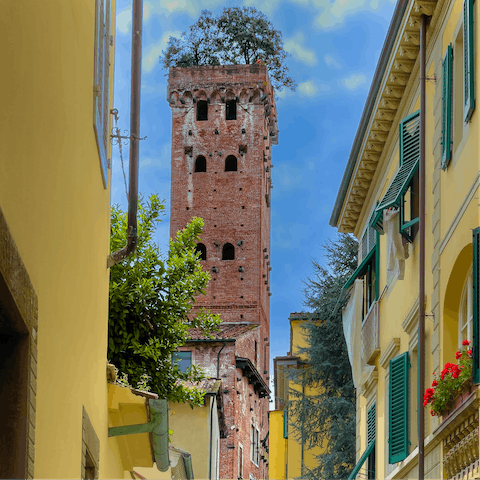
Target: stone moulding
396 78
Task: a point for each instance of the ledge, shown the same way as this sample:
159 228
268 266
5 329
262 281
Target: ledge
459 415
249 370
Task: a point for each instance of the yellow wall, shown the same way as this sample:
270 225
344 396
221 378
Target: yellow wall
56 206
287 455
454 213
277 446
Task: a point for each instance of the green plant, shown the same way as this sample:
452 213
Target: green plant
446 386
151 300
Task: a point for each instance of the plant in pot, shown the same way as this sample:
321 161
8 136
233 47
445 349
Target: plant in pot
453 381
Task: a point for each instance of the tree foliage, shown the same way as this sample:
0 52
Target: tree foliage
328 418
237 36
150 304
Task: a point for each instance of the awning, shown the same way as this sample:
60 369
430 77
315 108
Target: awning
362 460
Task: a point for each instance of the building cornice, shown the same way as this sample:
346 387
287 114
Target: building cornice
392 76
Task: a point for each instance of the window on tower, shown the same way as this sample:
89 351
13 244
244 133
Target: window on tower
231 110
202 110
228 252
231 164
201 164
202 250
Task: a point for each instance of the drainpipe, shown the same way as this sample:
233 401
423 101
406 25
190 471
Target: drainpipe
421 319
218 359
119 255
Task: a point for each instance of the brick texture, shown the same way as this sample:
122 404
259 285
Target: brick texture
235 206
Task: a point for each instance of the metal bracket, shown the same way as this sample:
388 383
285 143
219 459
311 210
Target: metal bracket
432 79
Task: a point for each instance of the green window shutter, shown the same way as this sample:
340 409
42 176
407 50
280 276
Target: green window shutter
409 158
371 424
468 61
447 72
398 409
362 460
285 423
476 299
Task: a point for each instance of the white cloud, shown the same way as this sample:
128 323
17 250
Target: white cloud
152 52
124 18
335 13
303 54
332 62
310 88
353 81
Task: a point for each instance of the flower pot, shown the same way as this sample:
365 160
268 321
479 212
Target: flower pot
462 395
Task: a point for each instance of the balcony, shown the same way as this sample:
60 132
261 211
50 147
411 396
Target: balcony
459 434
370 336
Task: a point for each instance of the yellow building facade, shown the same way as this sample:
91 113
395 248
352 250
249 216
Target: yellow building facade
378 202
56 95
289 456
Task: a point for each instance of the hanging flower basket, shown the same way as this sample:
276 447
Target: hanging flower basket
454 384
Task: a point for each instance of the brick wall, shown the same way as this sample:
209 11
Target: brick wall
235 206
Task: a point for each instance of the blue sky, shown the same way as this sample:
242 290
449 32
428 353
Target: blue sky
334 47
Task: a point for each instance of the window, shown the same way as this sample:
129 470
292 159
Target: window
231 110
202 110
201 249
402 192
200 164
240 461
469 60
476 303
183 360
371 436
465 323
447 107
398 409
228 252
255 447
368 270
101 82
457 91
231 164
285 423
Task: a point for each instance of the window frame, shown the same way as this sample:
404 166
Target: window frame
398 434
229 115
255 445
447 97
201 112
178 362
469 61
371 438
101 83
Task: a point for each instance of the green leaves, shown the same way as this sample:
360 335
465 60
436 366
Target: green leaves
150 303
237 36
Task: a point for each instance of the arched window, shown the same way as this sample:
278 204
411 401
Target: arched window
231 164
465 317
201 164
228 252
202 250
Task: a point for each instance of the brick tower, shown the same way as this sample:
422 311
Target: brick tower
224 124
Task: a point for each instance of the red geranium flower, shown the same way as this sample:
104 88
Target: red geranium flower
434 383
469 352
466 342
458 355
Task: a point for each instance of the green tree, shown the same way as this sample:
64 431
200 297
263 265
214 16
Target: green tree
150 304
237 36
328 418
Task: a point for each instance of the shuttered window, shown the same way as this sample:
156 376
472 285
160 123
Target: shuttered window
476 300
398 409
409 158
447 75
285 423
468 61
371 435
102 82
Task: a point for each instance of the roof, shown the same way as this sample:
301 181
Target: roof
254 377
207 385
396 74
227 331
